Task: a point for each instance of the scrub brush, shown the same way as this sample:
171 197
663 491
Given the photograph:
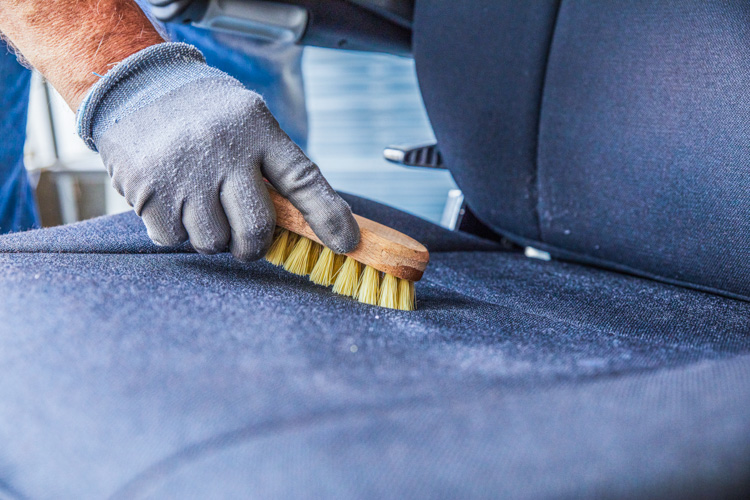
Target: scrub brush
381 271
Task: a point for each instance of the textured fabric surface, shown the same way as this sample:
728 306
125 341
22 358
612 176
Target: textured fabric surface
154 375
612 133
481 67
18 210
643 138
188 147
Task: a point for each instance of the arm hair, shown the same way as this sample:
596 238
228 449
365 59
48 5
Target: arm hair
70 40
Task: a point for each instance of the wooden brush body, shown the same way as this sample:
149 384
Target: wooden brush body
380 247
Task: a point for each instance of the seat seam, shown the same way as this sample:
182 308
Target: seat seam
536 183
173 463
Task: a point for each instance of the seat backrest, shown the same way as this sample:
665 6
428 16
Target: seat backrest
613 132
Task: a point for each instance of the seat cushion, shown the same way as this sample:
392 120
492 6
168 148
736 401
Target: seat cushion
609 133
130 370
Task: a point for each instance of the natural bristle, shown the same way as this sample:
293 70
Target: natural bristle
290 243
298 261
369 286
276 255
389 292
303 256
338 261
406 297
315 250
347 278
323 271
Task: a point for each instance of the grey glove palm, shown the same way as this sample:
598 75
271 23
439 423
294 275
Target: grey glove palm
188 146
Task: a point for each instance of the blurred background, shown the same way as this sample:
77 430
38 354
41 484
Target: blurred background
358 104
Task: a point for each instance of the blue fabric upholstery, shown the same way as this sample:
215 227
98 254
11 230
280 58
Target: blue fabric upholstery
611 133
132 371
481 67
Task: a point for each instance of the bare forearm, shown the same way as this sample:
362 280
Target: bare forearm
70 40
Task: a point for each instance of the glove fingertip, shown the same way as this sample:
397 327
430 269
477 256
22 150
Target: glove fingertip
348 239
338 229
251 246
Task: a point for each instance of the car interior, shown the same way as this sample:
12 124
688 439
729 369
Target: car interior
610 138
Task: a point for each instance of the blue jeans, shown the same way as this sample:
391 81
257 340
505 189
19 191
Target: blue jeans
272 70
17 207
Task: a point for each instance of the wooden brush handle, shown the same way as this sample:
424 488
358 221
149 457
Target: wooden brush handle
380 247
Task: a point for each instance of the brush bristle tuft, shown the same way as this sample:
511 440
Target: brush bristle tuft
276 255
369 286
315 250
406 297
389 292
337 263
303 256
347 278
298 261
290 243
323 271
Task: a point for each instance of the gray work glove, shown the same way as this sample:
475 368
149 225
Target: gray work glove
188 146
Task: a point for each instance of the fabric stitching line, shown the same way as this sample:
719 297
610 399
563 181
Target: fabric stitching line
191 453
10 493
537 182
185 251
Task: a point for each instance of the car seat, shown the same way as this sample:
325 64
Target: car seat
608 133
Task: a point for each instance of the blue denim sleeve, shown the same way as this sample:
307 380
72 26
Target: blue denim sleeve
18 210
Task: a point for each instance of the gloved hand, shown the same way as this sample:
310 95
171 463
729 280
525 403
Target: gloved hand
188 146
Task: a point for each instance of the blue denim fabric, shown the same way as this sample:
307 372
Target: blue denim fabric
176 375
18 210
610 133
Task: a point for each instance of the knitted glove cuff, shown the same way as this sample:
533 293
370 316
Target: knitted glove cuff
138 81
